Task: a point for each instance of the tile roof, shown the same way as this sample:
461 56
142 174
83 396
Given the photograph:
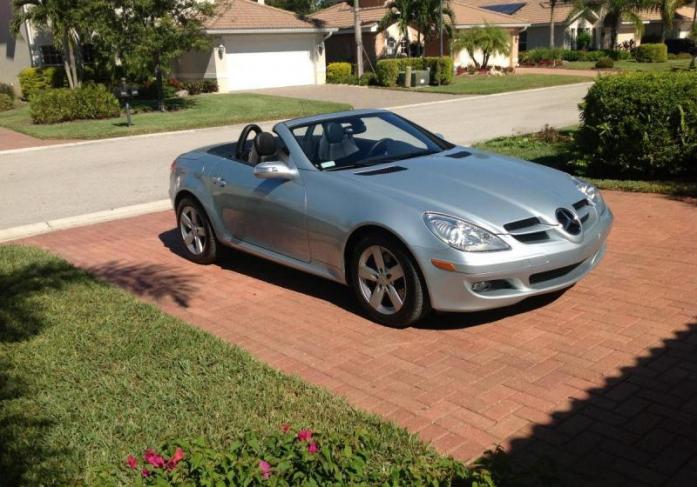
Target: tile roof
341 15
534 11
250 15
683 13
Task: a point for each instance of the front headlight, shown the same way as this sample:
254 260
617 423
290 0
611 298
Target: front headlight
462 235
590 191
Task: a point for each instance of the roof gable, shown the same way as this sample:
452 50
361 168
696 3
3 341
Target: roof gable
250 15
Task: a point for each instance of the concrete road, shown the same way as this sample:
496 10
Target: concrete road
63 181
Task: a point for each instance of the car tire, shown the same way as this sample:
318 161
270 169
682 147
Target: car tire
380 287
195 232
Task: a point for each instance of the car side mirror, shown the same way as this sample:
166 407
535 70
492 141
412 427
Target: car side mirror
274 170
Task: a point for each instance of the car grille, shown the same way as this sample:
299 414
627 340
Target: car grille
532 230
541 277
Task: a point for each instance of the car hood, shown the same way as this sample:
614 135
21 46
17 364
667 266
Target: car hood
488 190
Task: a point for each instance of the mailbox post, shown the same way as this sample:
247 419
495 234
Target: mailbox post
125 93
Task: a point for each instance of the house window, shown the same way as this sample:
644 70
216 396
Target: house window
50 56
523 41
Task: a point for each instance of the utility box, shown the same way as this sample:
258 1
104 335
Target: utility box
421 77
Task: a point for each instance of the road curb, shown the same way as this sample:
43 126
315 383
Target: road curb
24 231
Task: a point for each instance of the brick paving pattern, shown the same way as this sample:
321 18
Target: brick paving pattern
601 379
9 139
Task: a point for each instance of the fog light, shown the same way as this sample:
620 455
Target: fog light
481 286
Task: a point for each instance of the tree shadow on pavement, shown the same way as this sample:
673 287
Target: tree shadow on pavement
638 428
152 281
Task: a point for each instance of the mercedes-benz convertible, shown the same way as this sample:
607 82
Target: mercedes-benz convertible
408 220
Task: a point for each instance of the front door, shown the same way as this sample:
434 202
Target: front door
268 213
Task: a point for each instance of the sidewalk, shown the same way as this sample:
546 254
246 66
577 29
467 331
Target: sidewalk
9 139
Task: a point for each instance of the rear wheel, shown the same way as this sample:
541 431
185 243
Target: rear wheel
195 232
387 283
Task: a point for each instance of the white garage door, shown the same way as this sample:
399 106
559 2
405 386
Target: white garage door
266 61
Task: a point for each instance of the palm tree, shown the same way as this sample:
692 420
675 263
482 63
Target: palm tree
667 9
63 18
490 40
613 12
552 7
429 18
400 12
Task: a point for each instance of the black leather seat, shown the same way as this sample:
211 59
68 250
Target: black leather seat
335 143
263 149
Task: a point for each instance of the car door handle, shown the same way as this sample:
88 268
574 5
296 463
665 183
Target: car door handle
219 181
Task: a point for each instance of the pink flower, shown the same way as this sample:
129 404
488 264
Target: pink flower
265 469
132 462
285 427
312 448
176 458
145 473
153 458
304 435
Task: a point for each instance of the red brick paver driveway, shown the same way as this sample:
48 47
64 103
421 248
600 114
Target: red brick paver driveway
602 379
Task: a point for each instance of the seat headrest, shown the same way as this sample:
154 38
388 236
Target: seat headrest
335 132
265 144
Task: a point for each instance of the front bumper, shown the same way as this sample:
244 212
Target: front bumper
513 275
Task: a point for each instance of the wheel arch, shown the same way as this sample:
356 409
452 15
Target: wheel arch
372 228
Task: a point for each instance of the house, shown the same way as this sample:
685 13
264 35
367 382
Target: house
390 42
258 46
537 13
33 47
254 46
467 16
682 26
377 42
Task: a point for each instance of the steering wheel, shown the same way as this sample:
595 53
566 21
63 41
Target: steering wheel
242 141
380 144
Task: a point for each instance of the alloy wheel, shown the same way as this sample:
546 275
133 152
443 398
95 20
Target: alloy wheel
381 280
193 230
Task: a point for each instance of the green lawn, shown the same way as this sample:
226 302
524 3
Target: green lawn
557 150
631 65
195 112
486 85
89 374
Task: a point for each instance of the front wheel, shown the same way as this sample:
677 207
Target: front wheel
195 232
387 283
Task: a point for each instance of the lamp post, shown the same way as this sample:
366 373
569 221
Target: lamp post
440 26
359 38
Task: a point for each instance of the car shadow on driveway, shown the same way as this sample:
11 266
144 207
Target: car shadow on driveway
342 296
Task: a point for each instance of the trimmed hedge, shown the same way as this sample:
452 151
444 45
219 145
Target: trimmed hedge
62 104
6 89
442 69
340 73
651 53
641 126
36 80
548 56
6 102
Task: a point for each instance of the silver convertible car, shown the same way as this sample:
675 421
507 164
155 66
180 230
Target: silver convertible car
411 222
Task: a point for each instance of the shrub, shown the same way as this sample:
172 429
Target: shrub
542 56
290 458
584 40
368 79
339 73
441 68
6 102
604 63
651 53
641 125
62 104
36 80
199 86
677 46
8 90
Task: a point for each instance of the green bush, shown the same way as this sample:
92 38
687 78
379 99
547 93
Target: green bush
36 80
604 63
441 68
542 55
368 79
62 104
6 89
6 102
651 53
339 73
641 125
200 86
288 458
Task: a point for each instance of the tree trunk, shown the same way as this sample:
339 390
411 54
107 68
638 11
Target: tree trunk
73 64
358 34
160 87
418 41
551 23
694 19
66 61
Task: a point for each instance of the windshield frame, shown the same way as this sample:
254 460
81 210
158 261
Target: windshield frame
292 125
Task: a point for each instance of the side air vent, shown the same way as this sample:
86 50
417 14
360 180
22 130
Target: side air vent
384 170
580 204
532 237
460 155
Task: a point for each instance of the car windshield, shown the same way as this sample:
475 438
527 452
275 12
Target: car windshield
364 140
